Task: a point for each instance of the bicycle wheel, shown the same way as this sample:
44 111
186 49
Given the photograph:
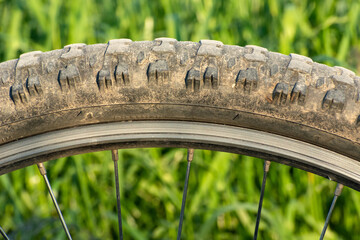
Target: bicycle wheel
205 95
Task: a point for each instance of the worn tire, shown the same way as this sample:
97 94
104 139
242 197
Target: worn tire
164 79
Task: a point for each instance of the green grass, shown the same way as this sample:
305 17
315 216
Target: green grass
328 30
224 188
222 198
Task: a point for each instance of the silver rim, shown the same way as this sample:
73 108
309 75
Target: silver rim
299 153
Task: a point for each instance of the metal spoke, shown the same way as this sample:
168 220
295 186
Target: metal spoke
115 158
337 193
4 234
258 216
43 173
190 156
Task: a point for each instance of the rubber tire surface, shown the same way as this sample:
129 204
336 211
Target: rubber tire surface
166 79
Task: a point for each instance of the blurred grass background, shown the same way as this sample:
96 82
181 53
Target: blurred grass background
224 188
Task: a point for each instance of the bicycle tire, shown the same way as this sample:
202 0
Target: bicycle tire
208 82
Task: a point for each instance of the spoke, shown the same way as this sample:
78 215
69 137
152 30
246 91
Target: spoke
43 173
258 216
337 193
190 157
4 234
115 158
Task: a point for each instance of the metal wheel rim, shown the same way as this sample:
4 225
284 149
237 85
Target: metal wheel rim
181 133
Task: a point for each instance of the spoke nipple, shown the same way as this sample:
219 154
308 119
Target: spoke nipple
190 154
338 190
267 165
41 169
115 155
